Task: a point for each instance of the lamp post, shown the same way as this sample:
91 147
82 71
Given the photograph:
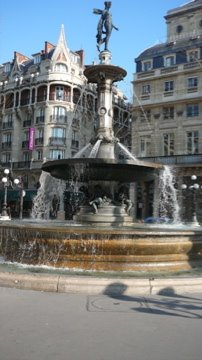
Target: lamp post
19 183
193 188
5 181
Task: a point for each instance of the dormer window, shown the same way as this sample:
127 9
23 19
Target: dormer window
37 59
7 67
192 55
169 61
146 65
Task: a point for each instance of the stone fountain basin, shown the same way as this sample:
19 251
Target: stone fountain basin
72 246
84 169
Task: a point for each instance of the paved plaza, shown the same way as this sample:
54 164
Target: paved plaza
63 326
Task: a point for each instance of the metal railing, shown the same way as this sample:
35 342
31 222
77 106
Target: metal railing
175 159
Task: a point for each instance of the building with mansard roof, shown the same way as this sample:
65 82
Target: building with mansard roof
167 86
48 111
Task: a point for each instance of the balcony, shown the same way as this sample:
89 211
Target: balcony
145 74
41 98
59 119
58 97
59 141
21 165
27 123
39 141
169 69
40 119
75 144
24 102
175 159
7 125
25 144
6 145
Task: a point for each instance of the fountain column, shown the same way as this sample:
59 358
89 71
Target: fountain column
104 75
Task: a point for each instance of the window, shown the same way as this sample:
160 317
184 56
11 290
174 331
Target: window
58 132
145 115
192 142
7 67
56 154
26 136
168 113
7 138
40 116
169 85
39 133
146 89
169 61
147 65
26 157
6 158
59 93
61 67
192 83
192 55
192 110
168 144
145 145
59 114
37 59
39 155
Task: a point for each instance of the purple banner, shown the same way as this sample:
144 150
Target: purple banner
31 138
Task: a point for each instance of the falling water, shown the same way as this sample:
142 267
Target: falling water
168 198
82 151
42 201
95 149
126 151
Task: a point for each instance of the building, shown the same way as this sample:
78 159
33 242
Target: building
48 111
167 112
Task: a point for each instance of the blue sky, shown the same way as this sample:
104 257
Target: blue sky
26 25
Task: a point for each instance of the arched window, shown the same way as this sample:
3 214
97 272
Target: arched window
59 67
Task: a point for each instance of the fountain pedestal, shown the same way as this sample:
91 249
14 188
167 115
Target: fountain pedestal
107 215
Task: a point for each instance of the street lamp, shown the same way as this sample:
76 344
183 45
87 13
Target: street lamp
19 183
5 181
193 188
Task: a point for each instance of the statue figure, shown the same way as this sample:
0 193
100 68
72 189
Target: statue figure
105 25
97 202
125 201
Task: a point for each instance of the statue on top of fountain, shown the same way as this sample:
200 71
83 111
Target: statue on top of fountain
105 25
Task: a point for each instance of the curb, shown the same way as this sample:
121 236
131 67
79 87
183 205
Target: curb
96 286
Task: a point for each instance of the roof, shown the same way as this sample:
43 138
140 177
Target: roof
190 6
170 48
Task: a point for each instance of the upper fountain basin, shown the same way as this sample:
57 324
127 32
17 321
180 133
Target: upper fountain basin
84 169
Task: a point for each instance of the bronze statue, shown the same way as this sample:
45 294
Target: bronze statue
105 25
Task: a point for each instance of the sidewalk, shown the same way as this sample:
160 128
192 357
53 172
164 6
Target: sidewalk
100 285
59 326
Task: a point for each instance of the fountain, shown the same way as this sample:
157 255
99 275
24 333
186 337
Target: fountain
103 235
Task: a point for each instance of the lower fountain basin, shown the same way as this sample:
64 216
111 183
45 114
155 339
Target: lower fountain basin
132 248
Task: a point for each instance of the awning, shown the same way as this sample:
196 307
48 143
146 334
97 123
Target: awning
14 195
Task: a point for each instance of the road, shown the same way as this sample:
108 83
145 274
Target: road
61 326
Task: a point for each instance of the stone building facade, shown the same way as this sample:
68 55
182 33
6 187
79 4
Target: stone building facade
167 112
48 111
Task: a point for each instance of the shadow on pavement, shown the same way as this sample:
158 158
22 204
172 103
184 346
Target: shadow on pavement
166 303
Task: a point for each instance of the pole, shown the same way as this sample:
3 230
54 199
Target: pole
4 208
21 203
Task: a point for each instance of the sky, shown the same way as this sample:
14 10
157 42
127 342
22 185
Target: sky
26 25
